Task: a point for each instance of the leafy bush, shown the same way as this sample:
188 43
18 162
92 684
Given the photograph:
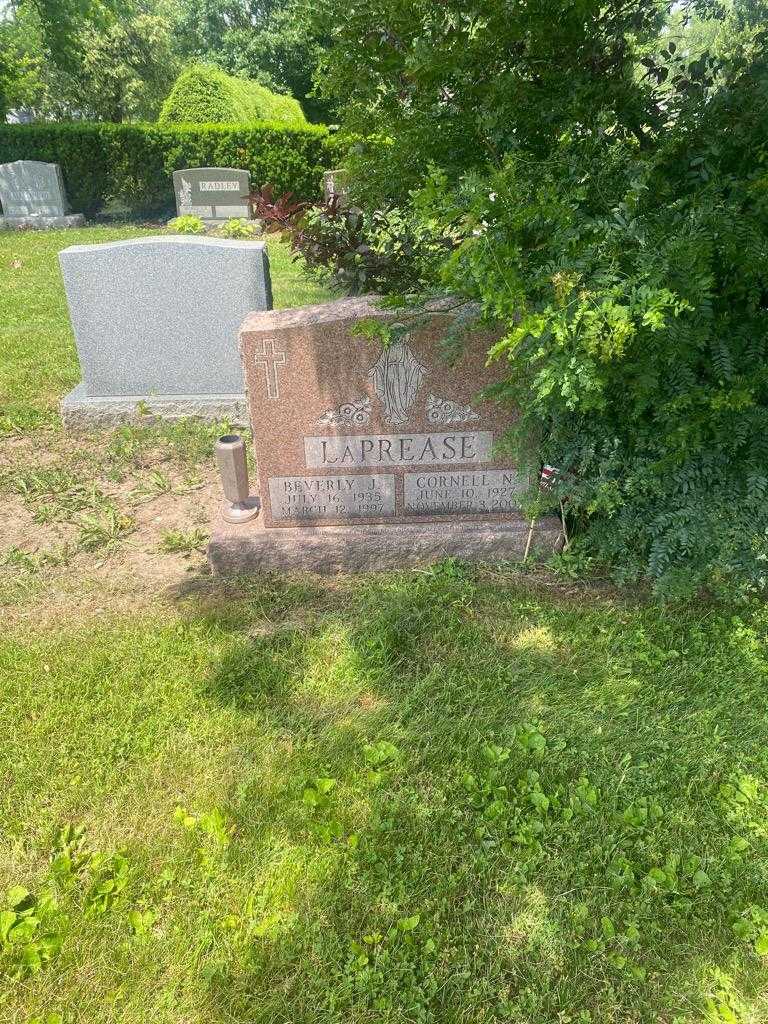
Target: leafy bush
134 163
187 224
238 227
203 94
635 290
607 171
387 251
281 214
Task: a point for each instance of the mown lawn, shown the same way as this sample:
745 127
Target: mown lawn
440 796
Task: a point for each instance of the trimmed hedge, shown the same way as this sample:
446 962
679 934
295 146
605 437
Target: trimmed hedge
203 94
133 163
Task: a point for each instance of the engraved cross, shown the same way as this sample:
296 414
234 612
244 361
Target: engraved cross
270 360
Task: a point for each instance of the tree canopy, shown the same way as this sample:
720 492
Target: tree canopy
108 61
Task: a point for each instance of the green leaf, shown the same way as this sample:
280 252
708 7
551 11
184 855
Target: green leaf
407 924
701 879
17 894
540 801
7 921
24 930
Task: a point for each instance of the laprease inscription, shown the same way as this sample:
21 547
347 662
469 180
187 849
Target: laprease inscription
344 451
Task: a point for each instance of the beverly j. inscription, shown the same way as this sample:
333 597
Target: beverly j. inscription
398 449
332 497
490 490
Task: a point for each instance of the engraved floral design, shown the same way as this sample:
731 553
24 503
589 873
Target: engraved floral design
396 377
185 196
350 414
443 410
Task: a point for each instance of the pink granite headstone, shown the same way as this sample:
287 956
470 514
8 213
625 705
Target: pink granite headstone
347 429
372 455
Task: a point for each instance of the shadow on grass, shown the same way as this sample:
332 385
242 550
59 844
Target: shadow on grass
540 809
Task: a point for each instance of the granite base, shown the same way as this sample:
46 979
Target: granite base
250 548
80 411
40 223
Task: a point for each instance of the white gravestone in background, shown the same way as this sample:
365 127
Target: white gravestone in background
156 322
32 195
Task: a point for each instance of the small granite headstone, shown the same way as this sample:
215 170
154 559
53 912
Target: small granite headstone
156 321
336 185
32 196
212 193
371 455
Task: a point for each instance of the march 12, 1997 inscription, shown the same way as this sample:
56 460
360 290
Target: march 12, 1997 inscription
347 429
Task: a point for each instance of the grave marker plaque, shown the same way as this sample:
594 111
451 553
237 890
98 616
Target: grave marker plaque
346 428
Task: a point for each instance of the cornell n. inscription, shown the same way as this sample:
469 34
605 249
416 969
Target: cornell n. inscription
488 490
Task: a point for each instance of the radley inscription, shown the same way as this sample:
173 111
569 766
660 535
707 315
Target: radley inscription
213 193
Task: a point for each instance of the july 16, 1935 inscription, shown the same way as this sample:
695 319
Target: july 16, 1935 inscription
332 497
348 428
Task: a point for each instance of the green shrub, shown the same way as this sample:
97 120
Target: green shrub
187 224
134 163
238 227
386 251
635 292
203 94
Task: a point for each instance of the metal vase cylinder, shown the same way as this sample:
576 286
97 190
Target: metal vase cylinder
233 470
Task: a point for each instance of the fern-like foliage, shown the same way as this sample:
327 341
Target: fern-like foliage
635 290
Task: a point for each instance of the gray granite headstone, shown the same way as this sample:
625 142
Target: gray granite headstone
336 184
32 195
156 321
213 193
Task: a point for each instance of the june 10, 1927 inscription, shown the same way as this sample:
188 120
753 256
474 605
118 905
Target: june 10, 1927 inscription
451 493
332 497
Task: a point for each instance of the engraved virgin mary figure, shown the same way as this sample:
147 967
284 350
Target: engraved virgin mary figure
396 376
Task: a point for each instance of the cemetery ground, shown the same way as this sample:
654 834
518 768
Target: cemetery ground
448 795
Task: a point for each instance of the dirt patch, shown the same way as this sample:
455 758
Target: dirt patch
86 529
98 525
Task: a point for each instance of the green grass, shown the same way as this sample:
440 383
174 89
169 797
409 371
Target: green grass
442 796
420 798
39 360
